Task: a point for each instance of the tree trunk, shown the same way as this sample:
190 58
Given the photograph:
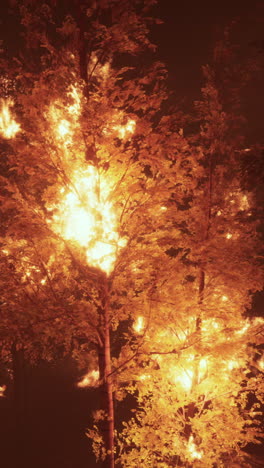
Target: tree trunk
192 409
107 386
81 20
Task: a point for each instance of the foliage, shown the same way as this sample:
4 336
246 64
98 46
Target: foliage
198 402
186 251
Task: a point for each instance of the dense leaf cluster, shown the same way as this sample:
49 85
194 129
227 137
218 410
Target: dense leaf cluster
186 209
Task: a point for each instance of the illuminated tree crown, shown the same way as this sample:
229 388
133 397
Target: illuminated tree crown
114 220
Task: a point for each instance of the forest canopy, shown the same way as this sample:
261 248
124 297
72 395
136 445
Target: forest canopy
131 234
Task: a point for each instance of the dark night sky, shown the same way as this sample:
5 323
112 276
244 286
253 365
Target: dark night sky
58 412
186 39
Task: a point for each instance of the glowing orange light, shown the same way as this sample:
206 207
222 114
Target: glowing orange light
63 128
65 119
75 108
203 367
85 215
207 325
2 390
244 203
8 126
185 378
232 364
243 329
91 379
144 377
101 71
125 130
182 334
139 324
229 235
192 449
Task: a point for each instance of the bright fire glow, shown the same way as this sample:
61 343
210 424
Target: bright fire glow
29 270
124 130
8 126
185 378
96 67
232 364
139 324
64 127
75 108
192 449
229 235
243 329
85 215
244 203
203 367
2 390
207 325
144 377
90 379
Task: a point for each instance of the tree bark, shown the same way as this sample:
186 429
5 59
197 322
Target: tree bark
192 409
106 375
83 45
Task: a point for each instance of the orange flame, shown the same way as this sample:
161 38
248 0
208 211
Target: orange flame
86 216
139 324
8 126
185 378
2 390
85 213
192 449
125 130
65 119
91 379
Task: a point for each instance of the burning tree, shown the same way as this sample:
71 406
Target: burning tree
199 401
87 170
112 216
